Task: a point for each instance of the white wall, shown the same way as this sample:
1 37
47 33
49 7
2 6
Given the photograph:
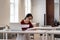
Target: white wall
56 11
38 11
4 12
21 10
59 10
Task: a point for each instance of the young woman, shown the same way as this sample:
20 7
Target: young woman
27 21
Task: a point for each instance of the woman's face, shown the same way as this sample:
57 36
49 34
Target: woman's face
29 18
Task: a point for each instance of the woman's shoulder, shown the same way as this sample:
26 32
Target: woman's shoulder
22 22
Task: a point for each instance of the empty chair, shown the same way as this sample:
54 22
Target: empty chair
15 26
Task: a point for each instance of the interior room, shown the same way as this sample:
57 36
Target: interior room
29 19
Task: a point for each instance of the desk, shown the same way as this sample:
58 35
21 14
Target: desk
45 28
48 29
19 33
52 32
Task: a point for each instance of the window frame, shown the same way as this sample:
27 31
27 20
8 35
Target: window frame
13 20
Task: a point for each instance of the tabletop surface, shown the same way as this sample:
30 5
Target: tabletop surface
31 31
35 31
53 32
45 28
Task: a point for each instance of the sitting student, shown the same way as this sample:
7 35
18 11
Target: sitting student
26 21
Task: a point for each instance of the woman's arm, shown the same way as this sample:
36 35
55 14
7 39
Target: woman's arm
31 26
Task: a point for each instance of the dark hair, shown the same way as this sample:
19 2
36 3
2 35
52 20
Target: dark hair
28 15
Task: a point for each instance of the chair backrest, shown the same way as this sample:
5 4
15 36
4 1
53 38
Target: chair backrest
15 26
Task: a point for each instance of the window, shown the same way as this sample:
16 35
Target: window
14 11
27 6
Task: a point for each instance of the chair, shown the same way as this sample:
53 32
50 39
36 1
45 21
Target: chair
14 27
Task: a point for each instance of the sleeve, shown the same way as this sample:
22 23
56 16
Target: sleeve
30 25
22 22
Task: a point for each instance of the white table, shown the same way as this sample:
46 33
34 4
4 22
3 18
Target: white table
52 32
48 29
45 28
24 32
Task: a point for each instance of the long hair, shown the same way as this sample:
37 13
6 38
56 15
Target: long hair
29 15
